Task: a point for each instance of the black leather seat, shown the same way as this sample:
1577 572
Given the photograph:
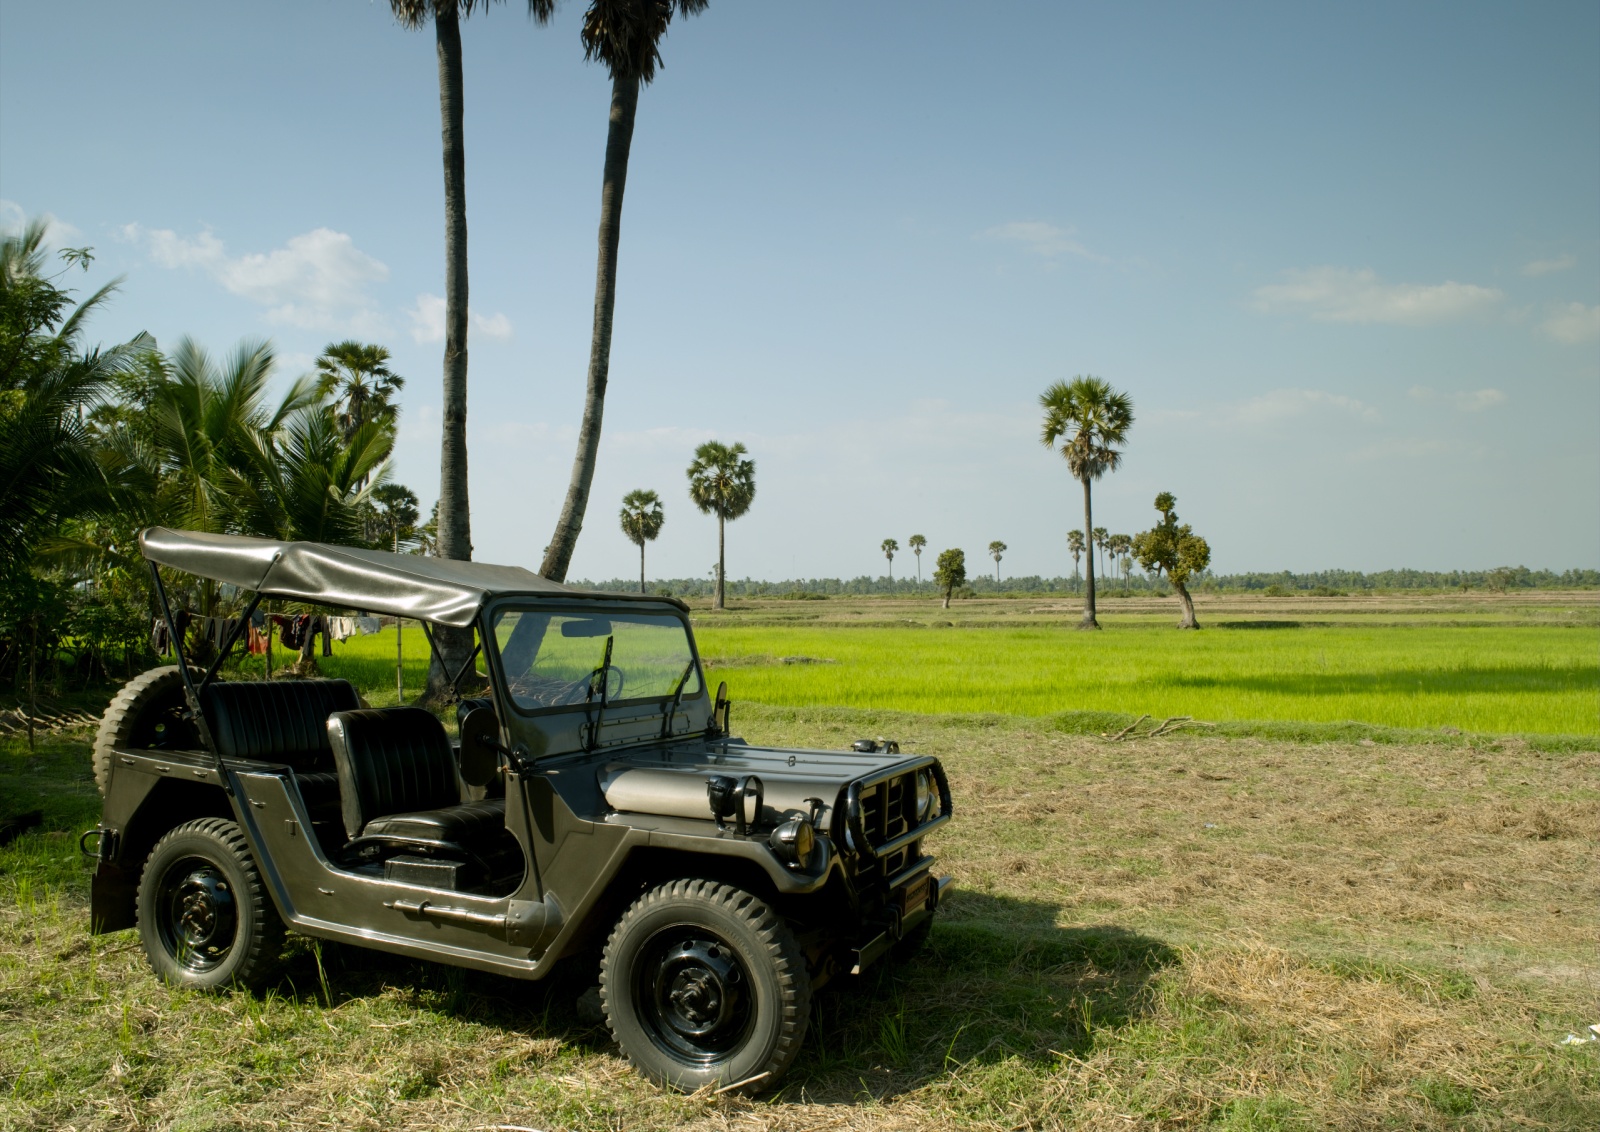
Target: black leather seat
398 786
283 721
465 824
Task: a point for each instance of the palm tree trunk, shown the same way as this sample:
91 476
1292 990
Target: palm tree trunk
641 565
455 528
1088 621
722 569
619 139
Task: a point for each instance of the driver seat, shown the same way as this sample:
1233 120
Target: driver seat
399 792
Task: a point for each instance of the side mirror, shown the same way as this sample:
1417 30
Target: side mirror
480 747
719 709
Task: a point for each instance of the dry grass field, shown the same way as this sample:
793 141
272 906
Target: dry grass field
1193 931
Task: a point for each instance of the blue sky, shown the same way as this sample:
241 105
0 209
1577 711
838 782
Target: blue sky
1346 260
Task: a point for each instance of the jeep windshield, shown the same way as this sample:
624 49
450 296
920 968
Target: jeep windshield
571 659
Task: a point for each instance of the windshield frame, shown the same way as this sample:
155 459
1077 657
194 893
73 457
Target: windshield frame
623 609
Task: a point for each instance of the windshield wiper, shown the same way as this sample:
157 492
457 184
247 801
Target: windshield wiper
604 672
677 695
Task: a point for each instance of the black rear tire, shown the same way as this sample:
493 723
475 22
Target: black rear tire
205 918
703 984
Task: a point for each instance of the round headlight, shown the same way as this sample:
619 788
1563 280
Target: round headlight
794 841
924 795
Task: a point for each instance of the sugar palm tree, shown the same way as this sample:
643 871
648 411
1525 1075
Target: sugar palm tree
916 543
889 547
1075 548
358 377
1089 421
1119 546
641 522
724 485
455 525
996 549
1100 536
624 35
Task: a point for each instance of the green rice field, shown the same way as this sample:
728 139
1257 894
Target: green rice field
1498 680
1476 664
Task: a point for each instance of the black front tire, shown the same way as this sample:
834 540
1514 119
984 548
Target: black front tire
205 918
703 984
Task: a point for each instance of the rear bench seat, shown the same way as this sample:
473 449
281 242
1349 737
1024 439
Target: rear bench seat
283 721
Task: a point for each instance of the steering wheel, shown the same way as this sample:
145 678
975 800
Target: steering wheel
615 680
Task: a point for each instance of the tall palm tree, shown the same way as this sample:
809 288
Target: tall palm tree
625 35
641 522
996 549
916 543
1100 536
1075 548
1089 421
455 526
724 485
889 547
358 377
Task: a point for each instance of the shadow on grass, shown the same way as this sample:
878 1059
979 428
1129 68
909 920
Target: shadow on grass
997 981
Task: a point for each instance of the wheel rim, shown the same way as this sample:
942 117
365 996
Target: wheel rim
197 914
693 994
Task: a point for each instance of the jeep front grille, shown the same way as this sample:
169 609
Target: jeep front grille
880 816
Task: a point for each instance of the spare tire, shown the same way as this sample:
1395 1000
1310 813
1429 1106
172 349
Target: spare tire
147 712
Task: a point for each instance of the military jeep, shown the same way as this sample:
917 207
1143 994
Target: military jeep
592 801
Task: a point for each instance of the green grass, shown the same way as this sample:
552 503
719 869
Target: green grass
1497 680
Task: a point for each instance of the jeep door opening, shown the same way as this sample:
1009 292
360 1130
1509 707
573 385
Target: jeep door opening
594 800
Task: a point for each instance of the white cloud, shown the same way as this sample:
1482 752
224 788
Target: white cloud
1043 240
1474 401
427 320
1546 266
1573 323
1284 404
1338 294
495 325
1404 447
57 232
318 280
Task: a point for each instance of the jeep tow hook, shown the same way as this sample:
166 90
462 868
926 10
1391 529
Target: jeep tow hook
105 843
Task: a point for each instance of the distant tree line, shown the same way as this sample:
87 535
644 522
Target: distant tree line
1285 582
